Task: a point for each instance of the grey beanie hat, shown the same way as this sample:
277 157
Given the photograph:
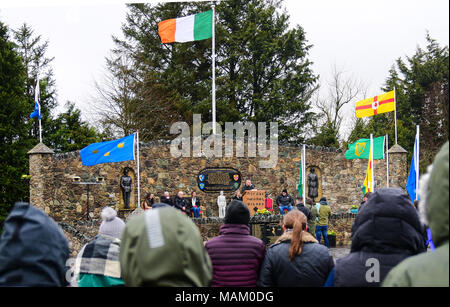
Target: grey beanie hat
111 225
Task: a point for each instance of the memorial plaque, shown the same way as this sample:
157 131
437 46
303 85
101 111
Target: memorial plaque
219 179
254 199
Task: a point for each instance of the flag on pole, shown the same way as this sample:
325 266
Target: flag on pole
412 183
186 29
300 180
37 106
376 105
108 152
361 149
367 185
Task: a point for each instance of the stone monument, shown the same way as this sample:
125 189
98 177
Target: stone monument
222 203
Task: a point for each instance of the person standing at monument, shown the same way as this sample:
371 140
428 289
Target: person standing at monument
247 187
284 201
236 255
296 259
314 217
301 206
222 203
324 212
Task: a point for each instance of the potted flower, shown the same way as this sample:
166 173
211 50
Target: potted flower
354 209
331 238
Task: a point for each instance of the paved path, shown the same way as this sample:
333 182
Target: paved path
339 252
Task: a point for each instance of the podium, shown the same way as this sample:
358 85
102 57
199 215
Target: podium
254 199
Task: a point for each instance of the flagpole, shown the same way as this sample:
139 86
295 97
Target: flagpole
37 98
387 160
213 71
416 159
371 164
395 115
303 172
138 172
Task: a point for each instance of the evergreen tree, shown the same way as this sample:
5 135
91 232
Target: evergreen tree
14 112
421 85
70 132
262 70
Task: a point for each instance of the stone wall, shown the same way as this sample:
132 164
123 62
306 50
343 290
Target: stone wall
52 186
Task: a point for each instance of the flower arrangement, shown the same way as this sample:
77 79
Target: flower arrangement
331 233
263 212
354 207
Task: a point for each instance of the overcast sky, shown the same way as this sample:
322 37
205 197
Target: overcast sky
363 38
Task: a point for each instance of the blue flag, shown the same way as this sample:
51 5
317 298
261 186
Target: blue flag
37 106
108 152
412 182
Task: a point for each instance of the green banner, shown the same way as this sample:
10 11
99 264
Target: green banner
361 149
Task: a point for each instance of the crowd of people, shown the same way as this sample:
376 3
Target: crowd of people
162 247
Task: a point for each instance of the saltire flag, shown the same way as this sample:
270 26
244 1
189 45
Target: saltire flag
37 106
412 183
367 185
109 152
376 105
361 149
186 29
300 181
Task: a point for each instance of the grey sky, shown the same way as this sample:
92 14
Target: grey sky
361 37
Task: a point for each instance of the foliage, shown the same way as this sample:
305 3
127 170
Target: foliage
14 110
263 212
70 133
421 84
262 70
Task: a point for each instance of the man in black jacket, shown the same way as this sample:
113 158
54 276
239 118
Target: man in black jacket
166 199
180 202
301 206
284 201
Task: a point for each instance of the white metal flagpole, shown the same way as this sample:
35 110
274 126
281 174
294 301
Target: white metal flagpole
387 160
213 71
138 172
37 98
304 172
395 115
416 159
372 183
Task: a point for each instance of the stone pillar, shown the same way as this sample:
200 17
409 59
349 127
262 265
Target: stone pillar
40 158
398 167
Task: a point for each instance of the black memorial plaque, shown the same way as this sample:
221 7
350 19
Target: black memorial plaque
215 179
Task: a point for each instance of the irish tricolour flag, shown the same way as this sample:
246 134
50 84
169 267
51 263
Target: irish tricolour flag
186 29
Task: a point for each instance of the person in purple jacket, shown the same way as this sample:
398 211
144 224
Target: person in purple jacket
236 256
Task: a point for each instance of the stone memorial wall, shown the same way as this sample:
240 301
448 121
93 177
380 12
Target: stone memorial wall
55 178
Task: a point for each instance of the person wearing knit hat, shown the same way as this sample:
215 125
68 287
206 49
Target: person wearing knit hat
324 213
236 256
111 225
97 264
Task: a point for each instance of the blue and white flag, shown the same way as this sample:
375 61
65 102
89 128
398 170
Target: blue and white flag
37 106
412 185
108 152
